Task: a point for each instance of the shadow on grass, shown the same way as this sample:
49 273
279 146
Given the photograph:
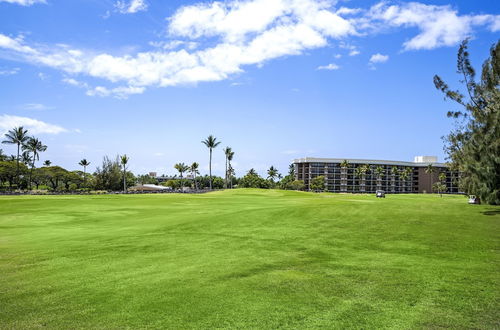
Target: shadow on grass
491 212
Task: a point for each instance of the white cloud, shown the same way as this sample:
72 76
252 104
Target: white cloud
35 106
118 92
329 67
379 58
216 40
131 7
34 126
9 72
24 2
439 25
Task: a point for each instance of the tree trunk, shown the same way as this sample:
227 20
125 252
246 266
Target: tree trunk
17 168
225 178
124 180
210 169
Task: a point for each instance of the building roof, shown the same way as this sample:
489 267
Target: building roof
367 161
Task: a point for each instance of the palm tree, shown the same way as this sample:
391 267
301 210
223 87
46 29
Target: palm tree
18 136
394 173
231 174
84 163
230 168
124 161
35 146
47 163
26 157
405 175
343 174
194 170
227 152
210 142
379 173
181 167
252 172
272 173
430 170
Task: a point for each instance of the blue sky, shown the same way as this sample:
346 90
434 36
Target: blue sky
274 79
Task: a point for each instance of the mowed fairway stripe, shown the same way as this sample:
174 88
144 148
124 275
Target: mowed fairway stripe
248 258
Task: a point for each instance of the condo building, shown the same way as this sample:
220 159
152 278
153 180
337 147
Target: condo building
368 176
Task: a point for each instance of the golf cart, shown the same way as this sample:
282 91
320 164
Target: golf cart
474 200
380 194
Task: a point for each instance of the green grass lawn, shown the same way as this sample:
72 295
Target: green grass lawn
248 259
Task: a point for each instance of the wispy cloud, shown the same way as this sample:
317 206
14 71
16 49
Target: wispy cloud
131 7
24 2
329 67
34 126
9 72
35 106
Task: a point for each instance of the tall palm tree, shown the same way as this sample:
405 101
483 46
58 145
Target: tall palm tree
430 169
211 143
227 152
35 146
394 174
343 174
405 175
47 163
84 163
194 170
379 173
231 174
272 173
230 168
182 168
17 136
364 169
124 161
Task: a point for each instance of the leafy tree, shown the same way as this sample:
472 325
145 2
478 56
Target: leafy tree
47 163
55 175
318 183
473 147
211 143
109 176
84 163
124 161
9 172
3 157
218 182
17 136
35 146
253 180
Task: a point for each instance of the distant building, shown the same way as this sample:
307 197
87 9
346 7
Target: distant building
391 179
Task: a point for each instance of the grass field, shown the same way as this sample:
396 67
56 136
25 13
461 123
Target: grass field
248 259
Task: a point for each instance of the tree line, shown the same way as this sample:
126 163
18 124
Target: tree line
19 172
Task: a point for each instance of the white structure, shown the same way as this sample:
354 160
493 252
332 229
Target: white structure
425 159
